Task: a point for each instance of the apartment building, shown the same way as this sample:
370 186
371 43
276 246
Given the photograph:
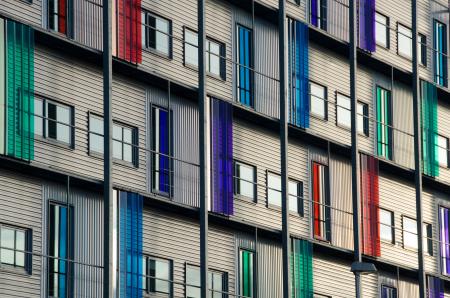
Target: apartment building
51 148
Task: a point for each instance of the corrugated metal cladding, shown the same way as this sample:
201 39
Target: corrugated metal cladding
185 144
20 206
22 10
88 25
406 288
87 238
444 130
338 19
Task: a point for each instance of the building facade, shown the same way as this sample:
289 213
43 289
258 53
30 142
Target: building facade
51 148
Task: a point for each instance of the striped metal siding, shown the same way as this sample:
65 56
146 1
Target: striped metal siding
88 25
444 130
403 125
20 205
332 277
341 199
338 19
30 13
59 77
408 288
177 238
185 147
439 12
87 238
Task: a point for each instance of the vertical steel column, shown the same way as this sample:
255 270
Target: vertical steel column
355 149
202 148
284 147
417 151
107 159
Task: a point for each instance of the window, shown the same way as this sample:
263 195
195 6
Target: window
444 239
246 273
244 65
387 226
157 275
124 142
440 53
156 34
53 121
362 118
321 202
57 15
381 30
428 238
162 161
217 283
244 180
60 250
295 193
442 144
422 50
384 123
409 233
318 13
388 292
215 54
14 243
343 112
404 41
318 99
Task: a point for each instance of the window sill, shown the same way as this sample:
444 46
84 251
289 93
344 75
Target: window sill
159 54
250 200
383 47
318 117
208 74
55 143
279 209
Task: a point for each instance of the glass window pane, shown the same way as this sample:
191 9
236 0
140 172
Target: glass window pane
63 129
7 251
404 39
381 30
38 117
144 273
293 196
318 100
217 282
20 245
117 141
409 233
214 58
190 47
162 36
343 110
386 225
96 138
162 272
192 282
245 177
51 121
274 189
443 151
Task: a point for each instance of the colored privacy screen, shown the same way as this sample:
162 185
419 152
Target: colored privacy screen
302 268
370 206
130 244
366 19
429 129
17 65
127 36
298 74
222 156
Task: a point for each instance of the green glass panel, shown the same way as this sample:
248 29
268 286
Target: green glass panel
2 86
246 273
302 269
429 124
20 90
384 123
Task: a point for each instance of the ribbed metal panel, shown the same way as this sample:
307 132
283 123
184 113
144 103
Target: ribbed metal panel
87 18
20 206
341 202
87 238
318 155
408 289
403 126
185 145
22 10
270 270
388 279
338 19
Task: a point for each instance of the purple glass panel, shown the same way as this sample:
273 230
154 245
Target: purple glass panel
314 13
446 241
435 288
222 156
366 11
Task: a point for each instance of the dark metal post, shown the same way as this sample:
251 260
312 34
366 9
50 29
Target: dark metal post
355 149
202 149
284 147
107 161
417 151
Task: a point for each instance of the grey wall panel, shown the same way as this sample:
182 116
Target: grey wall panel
185 138
87 238
369 284
20 206
341 202
338 19
408 288
270 269
88 24
444 130
297 11
63 79
327 266
29 13
177 239
403 133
